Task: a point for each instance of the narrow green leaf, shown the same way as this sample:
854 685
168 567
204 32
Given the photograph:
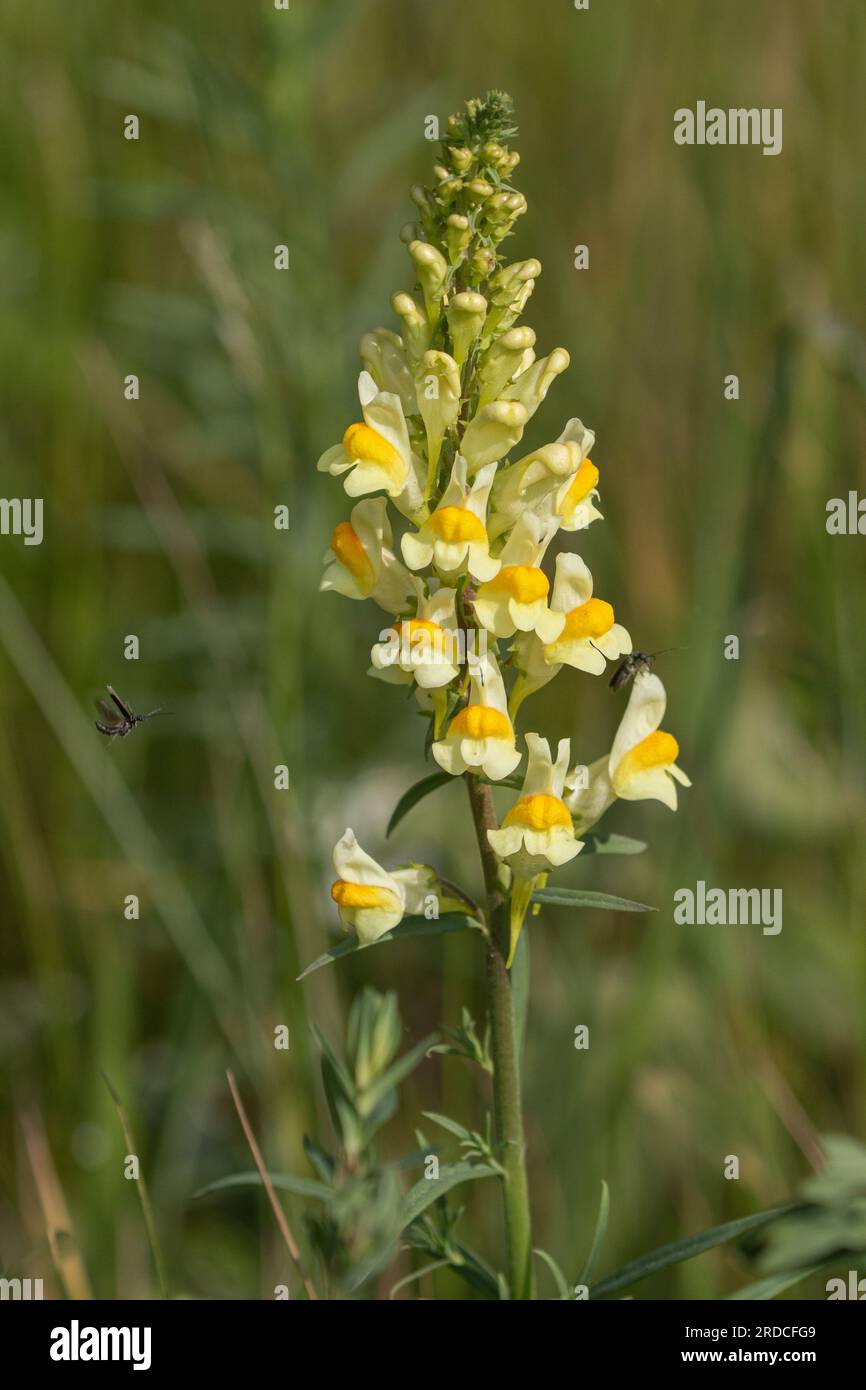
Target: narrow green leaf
396 1073
686 1249
302 1187
558 1277
764 1289
598 1235
416 793
418 1274
611 844
419 790
453 1126
428 1190
579 897
410 926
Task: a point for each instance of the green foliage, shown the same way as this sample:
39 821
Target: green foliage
409 927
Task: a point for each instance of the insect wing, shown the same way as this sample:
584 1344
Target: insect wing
108 716
126 712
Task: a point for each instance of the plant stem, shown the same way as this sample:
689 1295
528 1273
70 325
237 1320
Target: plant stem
507 1109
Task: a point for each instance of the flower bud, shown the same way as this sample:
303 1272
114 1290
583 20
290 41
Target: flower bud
531 387
432 268
416 330
437 389
482 263
457 235
502 360
507 281
479 190
466 314
409 232
449 189
461 158
494 430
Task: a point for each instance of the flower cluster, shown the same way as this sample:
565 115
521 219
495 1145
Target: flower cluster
444 404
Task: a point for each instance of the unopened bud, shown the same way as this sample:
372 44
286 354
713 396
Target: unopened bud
466 314
432 269
461 158
416 330
458 235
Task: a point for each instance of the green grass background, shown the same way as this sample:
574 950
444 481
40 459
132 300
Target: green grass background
156 257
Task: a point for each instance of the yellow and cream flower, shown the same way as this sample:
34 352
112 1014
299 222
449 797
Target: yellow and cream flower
643 759
375 453
641 765
425 649
454 536
369 899
537 834
481 736
590 637
515 599
535 481
574 502
361 562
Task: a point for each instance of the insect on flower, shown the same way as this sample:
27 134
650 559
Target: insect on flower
634 662
117 723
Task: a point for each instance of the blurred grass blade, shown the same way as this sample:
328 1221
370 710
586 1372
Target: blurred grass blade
288 1182
598 1235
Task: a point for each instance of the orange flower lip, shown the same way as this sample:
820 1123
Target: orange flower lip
419 632
525 583
585 480
656 750
457 524
480 721
362 895
362 442
346 545
591 619
539 812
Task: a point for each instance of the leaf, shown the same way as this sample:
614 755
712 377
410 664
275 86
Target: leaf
764 1289
428 1190
558 1276
419 790
410 926
453 1126
579 897
418 1274
397 1072
302 1187
679 1250
611 844
598 1235
416 793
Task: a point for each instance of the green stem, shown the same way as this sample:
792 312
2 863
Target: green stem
507 1108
